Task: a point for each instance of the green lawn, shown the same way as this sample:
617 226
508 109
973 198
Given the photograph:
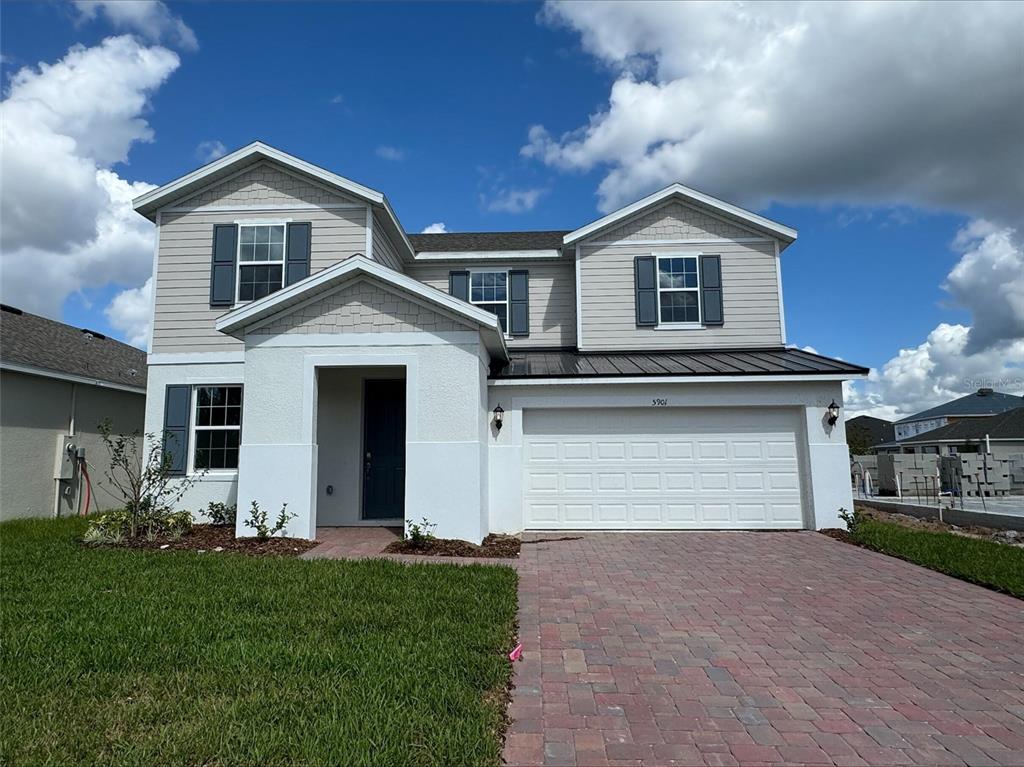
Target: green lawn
125 657
972 559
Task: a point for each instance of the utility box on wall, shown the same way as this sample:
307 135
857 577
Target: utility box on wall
64 466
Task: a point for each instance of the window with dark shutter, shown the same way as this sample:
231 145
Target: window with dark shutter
297 262
458 285
646 286
222 268
177 404
519 302
711 290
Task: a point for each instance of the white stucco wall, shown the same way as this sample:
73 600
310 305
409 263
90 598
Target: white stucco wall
823 454
280 454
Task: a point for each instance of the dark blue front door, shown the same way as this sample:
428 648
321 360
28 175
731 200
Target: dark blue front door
384 449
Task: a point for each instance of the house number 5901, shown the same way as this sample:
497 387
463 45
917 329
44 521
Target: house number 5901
659 402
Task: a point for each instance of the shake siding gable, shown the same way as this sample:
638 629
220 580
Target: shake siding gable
265 184
552 300
673 221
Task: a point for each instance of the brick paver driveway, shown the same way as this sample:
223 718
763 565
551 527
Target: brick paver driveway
751 648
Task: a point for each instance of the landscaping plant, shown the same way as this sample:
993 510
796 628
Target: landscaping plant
258 521
140 469
221 513
852 520
421 533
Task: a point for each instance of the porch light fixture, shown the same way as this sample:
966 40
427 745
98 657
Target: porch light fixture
833 413
499 416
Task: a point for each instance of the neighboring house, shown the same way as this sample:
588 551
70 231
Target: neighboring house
1000 435
866 432
980 404
629 374
57 384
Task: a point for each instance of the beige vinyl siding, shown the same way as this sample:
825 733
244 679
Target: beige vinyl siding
184 320
384 250
750 298
552 296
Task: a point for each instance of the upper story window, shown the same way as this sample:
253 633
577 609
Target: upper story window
489 290
216 427
678 290
260 260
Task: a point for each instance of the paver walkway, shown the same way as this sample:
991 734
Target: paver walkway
759 648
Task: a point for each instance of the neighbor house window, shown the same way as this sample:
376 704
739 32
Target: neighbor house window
678 290
216 427
260 260
489 290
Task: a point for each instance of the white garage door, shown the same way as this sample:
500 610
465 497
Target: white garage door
667 468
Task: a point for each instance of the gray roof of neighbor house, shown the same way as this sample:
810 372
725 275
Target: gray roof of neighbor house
566 363
28 341
455 242
981 402
1008 425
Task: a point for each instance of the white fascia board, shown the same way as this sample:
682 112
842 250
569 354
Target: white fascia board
147 204
776 229
673 380
250 313
32 370
486 255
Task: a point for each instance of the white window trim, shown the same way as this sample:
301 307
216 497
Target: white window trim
699 325
193 428
507 301
283 222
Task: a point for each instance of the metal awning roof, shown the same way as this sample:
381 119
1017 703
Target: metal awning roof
712 362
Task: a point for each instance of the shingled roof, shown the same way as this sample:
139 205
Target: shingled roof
30 341
472 242
981 402
1008 425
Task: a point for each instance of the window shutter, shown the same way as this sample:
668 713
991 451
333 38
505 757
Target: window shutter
297 257
711 290
177 404
458 285
646 282
222 268
519 303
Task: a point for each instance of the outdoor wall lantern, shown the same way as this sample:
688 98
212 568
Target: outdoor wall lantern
833 413
499 416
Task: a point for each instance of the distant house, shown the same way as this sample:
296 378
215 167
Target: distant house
57 383
1000 435
980 404
866 432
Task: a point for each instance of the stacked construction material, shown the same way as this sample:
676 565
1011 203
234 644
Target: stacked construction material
984 475
1017 473
910 474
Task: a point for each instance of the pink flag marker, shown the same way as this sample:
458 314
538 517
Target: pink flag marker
517 653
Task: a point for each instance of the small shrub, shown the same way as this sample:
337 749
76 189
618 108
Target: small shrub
258 521
852 519
177 523
221 513
421 533
111 527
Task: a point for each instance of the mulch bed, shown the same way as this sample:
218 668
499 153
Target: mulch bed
494 547
217 539
840 535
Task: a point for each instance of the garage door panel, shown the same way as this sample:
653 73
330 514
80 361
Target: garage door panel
584 469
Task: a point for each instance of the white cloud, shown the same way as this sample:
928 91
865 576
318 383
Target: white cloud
337 98
208 151
68 221
884 103
149 18
435 228
513 200
130 313
394 154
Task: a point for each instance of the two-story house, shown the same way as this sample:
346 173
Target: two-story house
631 373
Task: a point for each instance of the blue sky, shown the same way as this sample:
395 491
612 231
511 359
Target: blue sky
432 104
